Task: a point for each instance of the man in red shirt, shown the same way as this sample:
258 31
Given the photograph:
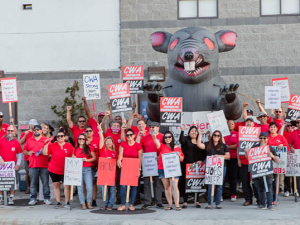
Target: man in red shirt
38 165
263 117
148 145
246 113
10 150
278 118
4 126
76 131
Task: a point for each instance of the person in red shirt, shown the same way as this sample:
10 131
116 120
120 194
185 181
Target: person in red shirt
141 124
82 150
148 145
232 164
287 131
278 118
129 149
93 143
4 126
246 113
10 150
168 146
76 131
263 117
107 150
38 165
59 151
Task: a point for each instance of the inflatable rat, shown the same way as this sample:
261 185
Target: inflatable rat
193 58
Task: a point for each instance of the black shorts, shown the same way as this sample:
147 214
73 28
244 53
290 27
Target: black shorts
56 177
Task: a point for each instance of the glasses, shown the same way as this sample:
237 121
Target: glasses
263 138
129 135
36 129
81 121
288 125
277 111
297 122
216 135
1 116
60 136
87 131
262 116
151 127
81 139
10 130
167 137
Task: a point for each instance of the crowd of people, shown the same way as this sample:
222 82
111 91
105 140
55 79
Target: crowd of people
44 156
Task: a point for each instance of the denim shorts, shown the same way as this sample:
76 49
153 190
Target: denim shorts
161 174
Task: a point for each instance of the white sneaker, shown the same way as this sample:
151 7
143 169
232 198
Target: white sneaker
297 194
32 202
286 194
233 198
221 198
67 205
47 202
11 201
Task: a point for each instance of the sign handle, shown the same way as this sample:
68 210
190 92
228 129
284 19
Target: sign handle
212 196
104 196
151 185
5 197
196 198
295 189
10 111
71 197
265 182
127 196
277 189
174 188
93 105
122 115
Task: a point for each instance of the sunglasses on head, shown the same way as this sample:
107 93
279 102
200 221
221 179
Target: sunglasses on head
81 139
81 121
60 136
10 130
87 131
129 135
263 138
166 137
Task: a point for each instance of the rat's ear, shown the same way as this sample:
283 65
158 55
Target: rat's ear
160 41
226 40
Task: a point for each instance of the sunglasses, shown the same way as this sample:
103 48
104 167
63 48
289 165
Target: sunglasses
36 129
167 137
60 136
297 122
277 111
262 116
263 138
87 131
129 135
288 125
216 135
1 116
10 130
81 121
81 139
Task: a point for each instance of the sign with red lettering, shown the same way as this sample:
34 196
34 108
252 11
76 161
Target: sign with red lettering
170 111
280 167
293 108
9 90
218 122
120 99
259 154
248 137
214 170
73 171
195 178
283 83
130 172
106 171
134 76
260 164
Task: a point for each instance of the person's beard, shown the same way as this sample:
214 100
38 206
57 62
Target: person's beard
36 134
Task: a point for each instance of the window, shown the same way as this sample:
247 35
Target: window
197 9
279 7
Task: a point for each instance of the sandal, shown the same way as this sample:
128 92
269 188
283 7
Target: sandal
27 191
131 208
207 207
122 208
218 207
83 206
169 208
101 208
198 206
178 209
89 206
184 206
108 208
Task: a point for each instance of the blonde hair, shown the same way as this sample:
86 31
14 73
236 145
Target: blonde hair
113 144
48 135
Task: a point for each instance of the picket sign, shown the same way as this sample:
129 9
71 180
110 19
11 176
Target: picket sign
8 177
195 178
149 166
9 92
293 109
283 83
170 111
248 137
272 97
73 171
134 76
120 98
217 121
91 86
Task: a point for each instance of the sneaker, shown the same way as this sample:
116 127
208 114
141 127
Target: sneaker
47 202
297 194
247 203
222 198
160 206
146 206
263 207
94 203
271 208
58 205
32 202
233 198
67 205
11 201
286 194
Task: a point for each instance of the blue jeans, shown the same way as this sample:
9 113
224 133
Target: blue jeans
34 174
88 180
112 198
260 186
123 191
218 192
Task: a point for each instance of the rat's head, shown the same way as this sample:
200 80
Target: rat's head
193 53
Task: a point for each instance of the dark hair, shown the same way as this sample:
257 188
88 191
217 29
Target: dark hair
211 143
137 122
193 127
64 128
86 149
81 117
172 144
272 124
129 129
89 127
115 121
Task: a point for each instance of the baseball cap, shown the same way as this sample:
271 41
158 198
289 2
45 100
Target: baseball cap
293 122
265 134
249 111
263 114
154 124
101 114
249 118
37 127
33 122
1 113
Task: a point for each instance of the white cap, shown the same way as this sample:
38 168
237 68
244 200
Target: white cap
1 113
33 122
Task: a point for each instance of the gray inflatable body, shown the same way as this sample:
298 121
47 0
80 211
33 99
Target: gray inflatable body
193 58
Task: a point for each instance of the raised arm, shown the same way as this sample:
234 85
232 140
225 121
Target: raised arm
123 130
156 141
12 122
199 143
110 115
86 108
101 142
69 121
132 115
245 110
182 138
104 121
260 107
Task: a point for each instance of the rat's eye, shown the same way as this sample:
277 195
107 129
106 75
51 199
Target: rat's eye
209 43
173 44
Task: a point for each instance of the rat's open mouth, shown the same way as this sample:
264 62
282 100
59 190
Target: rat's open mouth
192 68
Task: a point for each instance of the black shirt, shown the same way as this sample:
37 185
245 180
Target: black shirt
213 151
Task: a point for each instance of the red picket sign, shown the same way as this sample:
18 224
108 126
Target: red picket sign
259 154
133 72
170 104
130 172
118 91
249 133
106 171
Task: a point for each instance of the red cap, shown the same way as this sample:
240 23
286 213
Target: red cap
101 114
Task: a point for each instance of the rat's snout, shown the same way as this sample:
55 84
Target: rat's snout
188 56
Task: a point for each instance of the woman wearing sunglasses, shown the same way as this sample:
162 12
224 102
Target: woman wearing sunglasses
168 146
129 149
82 150
215 147
59 151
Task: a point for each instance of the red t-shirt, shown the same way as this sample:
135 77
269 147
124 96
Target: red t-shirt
76 132
37 159
79 154
287 135
295 139
115 137
163 149
94 146
3 129
264 128
232 139
277 140
93 124
148 143
130 151
29 135
108 153
9 149
279 123
58 154
239 124
136 131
